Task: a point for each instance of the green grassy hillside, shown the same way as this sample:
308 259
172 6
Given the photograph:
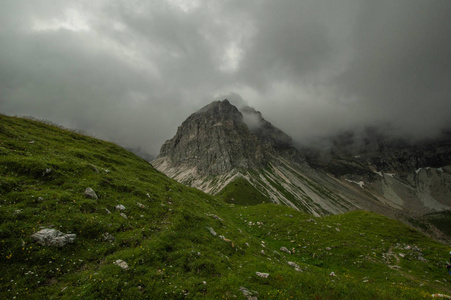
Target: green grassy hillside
168 236
241 192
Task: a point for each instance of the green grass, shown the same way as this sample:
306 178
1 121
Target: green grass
241 192
441 220
168 244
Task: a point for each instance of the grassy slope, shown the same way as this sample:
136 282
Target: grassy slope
168 244
441 221
241 192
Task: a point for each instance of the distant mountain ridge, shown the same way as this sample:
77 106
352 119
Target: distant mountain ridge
219 144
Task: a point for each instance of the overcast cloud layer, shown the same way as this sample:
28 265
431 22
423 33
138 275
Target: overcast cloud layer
132 71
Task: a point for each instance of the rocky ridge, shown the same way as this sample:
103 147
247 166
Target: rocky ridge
216 140
220 143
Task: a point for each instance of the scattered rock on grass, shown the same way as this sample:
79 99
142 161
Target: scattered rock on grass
47 171
295 266
262 275
284 249
421 258
441 296
212 231
214 216
250 295
89 193
53 237
108 237
120 207
121 264
124 216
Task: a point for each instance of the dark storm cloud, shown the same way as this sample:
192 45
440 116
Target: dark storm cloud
401 71
132 71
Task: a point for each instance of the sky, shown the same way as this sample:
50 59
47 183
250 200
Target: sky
132 71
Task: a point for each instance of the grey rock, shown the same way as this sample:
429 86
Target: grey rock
212 231
89 193
52 237
262 275
47 171
284 249
421 258
214 216
94 168
415 248
108 238
250 295
124 216
121 264
120 207
295 266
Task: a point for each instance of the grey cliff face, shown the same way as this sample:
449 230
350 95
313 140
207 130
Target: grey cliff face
351 154
217 139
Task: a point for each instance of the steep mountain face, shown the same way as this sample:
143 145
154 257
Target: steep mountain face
414 176
220 145
215 140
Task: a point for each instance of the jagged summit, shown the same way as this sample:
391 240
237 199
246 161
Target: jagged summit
224 108
219 138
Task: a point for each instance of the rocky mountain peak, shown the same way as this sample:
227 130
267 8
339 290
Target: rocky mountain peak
219 138
220 110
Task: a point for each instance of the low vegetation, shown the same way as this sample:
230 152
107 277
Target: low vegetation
241 192
179 242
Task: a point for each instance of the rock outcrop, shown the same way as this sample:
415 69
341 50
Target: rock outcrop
219 138
52 237
90 193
